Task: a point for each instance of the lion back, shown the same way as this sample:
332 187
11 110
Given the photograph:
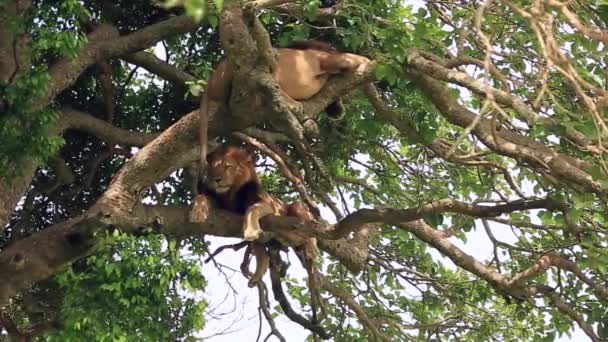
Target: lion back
312 45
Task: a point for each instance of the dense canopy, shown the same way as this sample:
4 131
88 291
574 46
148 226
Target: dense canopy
464 193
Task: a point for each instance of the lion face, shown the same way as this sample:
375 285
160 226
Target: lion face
229 168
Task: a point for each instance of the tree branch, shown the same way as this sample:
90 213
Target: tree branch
14 41
104 80
441 72
159 67
105 43
105 131
264 307
40 255
505 142
348 299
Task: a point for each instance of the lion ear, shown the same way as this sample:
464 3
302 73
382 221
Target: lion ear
214 149
250 155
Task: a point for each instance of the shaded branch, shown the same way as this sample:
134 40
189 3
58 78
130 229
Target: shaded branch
14 40
159 67
104 80
105 131
104 42
347 298
284 168
63 175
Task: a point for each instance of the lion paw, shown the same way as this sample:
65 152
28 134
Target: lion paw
252 233
252 230
200 209
253 282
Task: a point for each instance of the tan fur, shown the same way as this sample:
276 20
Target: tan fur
200 209
300 73
230 169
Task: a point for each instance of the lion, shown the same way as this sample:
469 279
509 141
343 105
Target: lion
232 184
302 69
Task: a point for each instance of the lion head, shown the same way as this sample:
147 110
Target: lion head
229 169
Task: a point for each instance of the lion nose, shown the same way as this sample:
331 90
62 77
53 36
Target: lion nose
217 179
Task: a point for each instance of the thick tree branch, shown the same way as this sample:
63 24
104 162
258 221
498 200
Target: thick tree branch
104 80
503 141
105 43
63 243
63 175
14 52
105 131
441 72
159 67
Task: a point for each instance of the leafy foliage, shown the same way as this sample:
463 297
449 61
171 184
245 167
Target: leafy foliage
132 288
145 288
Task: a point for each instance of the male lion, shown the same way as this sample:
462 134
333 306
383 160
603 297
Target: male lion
232 184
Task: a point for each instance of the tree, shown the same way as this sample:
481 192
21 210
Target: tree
477 121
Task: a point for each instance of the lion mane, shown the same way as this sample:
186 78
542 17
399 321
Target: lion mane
232 184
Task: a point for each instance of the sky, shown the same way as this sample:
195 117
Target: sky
233 307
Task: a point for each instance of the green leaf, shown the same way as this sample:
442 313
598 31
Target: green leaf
195 9
381 71
213 20
603 330
434 220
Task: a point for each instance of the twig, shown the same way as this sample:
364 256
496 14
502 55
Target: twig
235 247
279 295
285 169
264 305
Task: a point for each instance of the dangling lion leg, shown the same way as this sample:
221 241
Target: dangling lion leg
251 226
261 263
245 264
307 253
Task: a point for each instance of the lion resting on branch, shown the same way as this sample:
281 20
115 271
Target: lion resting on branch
232 184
